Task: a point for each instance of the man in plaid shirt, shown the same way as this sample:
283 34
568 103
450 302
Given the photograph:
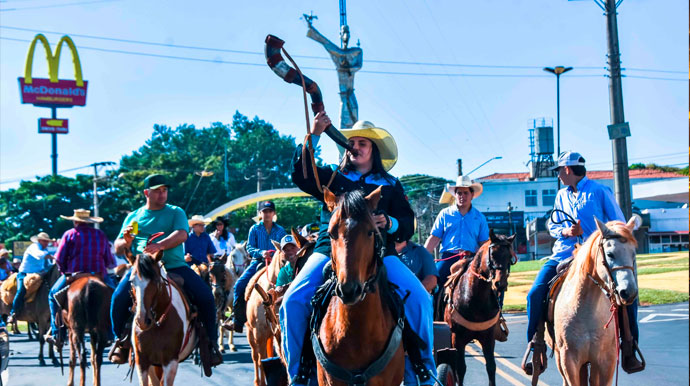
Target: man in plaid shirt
81 249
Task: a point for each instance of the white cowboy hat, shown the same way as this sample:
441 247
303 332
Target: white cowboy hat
381 137
466 182
198 219
5 252
40 236
83 215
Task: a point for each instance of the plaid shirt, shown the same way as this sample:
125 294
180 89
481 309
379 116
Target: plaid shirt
84 249
259 240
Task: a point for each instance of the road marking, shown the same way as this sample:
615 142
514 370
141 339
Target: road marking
478 356
680 309
511 366
643 311
652 318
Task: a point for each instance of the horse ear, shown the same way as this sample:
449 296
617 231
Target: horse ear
301 241
512 238
602 227
373 198
330 199
492 235
633 224
157 256
224 259
276 245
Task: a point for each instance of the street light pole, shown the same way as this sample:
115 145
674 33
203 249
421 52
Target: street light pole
489 160
95 186
558 70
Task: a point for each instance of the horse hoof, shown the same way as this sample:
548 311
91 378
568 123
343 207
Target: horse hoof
41 362
56 363
233 348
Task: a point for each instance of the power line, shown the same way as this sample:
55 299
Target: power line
57 5
380 61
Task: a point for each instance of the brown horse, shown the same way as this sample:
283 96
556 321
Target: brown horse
88 310
473 308
262 326
358 322
237 262
38 312
222 280
162 332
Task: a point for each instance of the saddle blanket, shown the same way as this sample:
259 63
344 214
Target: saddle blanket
32 282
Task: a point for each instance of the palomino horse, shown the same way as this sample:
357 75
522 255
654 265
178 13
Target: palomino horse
162 333
605 262
473 309
262 323
235 266
359 323
88 310
38 312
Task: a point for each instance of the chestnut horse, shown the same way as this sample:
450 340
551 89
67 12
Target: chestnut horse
162 332
606 261
473 310
88 310
358 321
235 266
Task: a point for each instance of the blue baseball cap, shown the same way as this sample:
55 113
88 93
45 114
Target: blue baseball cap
569 158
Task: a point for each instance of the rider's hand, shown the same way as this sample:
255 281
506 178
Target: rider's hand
382 221
267 254
321 122
188 258
153 248
128 236
573 231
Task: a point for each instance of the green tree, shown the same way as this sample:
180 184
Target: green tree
423 192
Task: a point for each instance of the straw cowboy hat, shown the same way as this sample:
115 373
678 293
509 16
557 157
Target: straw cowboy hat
40 236
446 197
466 182
83 215
381 137
5 253
198 219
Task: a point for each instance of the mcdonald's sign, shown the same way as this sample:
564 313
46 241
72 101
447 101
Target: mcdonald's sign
53 92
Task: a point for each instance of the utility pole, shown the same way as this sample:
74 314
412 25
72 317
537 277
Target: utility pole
53 136
95 187
618 129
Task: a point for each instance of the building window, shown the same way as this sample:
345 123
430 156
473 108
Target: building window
530 197
548 197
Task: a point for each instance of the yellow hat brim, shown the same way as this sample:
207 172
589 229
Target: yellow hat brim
382 138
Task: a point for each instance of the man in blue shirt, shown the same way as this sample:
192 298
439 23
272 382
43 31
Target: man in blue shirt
35 261
460 229
198 247
420 262
582 199
259 248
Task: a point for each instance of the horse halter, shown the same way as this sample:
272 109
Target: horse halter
610 288
492 263
155 299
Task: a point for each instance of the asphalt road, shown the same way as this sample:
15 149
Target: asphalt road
664 342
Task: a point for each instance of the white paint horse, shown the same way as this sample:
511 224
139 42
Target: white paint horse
237 262
582 311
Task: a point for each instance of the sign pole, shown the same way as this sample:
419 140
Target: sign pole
54 136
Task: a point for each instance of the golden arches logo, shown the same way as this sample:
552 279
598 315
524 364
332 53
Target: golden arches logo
53 59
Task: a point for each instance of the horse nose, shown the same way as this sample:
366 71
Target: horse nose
627 295
349 291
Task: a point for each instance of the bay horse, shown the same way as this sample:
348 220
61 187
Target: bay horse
473 309
359 324
262 323
605 262
163 334
88 310
38 312
222 281
235 265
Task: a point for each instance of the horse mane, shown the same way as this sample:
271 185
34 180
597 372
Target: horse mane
353 205
584 254
482 250
145 267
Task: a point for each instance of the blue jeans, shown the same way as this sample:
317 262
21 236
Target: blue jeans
199 293
238 302
537 296
296 310
55 307
18 302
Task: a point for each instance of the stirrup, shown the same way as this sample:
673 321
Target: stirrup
632 364
534 348
501 330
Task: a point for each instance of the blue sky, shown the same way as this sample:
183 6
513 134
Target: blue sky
437 113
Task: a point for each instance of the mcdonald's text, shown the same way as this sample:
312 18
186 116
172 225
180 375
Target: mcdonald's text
43 92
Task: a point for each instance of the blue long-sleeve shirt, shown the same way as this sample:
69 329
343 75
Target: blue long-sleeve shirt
592 199
259 240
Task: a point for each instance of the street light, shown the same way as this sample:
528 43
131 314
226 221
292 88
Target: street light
558 70
489 160
201 174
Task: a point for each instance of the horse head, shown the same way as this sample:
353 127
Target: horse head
355 243
616 246
217 276
147 285
239 259
500 257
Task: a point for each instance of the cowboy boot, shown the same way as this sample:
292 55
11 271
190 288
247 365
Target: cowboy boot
216 356
120 352
629 348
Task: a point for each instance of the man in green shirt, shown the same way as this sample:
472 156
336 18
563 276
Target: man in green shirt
287 273
158 216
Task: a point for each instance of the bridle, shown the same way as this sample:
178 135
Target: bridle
493 267
610 287
219 284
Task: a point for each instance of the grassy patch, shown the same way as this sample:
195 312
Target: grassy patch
514 307
524 266
655 296
668 261
648 256
653 270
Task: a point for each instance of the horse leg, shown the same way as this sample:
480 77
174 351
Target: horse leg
41 342
143 373
82 361
460 365
571 373
73 350
256 356
97 346
221 333
169 372
488 345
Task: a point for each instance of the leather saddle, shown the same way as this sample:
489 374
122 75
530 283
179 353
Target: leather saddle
555 286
